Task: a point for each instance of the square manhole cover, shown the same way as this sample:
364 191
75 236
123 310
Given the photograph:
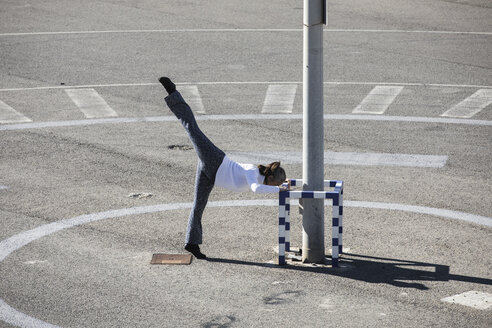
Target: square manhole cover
171 259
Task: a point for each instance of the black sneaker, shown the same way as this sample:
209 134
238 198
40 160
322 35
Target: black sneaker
195 250
167 84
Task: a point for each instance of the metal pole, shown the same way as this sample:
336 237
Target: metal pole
313 244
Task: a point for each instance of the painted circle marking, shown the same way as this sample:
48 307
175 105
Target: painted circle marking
12 316
239 30
238 117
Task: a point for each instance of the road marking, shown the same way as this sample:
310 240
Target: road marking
450 214
279 98
19 240
193 98
474 299
439 85
11 316
471 105
242 30
251 117
10 115
35 262
378 100
345 158
2 187
90 103
7 246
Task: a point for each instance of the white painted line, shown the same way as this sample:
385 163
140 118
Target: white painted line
449 214
10 115
39 262
58 87
57 124
17 241
193 98
90 103
242 30
345 158
252 117
439 85
7 246
474 299
11 316
378 100
413 119
471 105
279 98
2 187
384 159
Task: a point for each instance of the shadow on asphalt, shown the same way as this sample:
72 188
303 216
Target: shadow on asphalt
395 272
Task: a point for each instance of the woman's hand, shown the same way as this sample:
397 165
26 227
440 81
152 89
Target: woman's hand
285 188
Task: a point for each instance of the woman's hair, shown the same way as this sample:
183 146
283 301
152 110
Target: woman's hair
274 170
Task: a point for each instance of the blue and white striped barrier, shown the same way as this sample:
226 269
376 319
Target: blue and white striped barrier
284 216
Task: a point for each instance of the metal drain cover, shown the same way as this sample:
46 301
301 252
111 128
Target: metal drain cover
171 259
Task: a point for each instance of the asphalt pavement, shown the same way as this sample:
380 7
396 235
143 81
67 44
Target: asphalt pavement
96 175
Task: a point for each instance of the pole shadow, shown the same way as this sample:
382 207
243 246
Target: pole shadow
376 270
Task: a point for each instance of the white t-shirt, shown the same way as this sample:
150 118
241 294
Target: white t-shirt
242 177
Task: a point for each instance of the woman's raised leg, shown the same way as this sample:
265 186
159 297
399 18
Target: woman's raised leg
209 154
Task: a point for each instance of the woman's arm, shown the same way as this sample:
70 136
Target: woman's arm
264 189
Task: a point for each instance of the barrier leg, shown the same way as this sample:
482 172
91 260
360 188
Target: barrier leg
287 224
340 224
281 227
335 232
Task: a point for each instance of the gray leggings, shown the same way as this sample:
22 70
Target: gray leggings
209 159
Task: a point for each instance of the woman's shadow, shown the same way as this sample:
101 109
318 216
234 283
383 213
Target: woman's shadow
395 272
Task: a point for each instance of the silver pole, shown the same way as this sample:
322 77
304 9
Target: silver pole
313 244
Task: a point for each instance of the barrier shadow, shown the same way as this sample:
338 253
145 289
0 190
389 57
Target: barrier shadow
376 270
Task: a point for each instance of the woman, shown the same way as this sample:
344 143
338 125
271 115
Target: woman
215 168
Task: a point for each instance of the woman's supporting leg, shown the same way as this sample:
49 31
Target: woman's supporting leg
203 187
